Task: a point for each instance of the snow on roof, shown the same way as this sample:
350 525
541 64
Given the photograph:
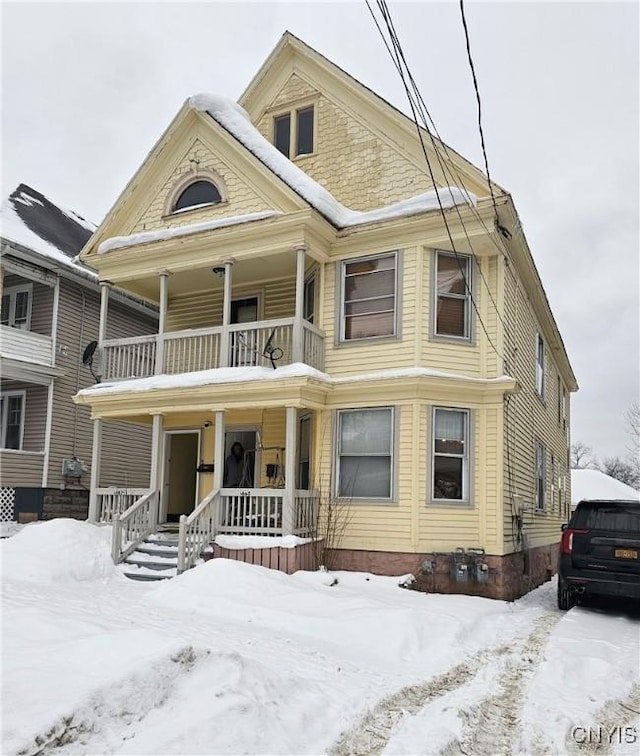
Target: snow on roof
595 485
236 121
241 374
144 237
30 219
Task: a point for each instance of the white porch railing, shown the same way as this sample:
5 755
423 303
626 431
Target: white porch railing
197 531
237 345
132 526
115 501
306 508
20 344
258 511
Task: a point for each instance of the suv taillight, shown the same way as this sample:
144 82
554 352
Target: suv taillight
567 539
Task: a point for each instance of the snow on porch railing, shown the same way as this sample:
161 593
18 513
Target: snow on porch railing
114 501
197 531
132 526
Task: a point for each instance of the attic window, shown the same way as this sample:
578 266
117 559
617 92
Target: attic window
198 194
293 132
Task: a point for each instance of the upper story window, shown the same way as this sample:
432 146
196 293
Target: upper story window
198 194
293 132
453 295
12 419
16 306
540 361
309 300
369 286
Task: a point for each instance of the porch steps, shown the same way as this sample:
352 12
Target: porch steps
156 558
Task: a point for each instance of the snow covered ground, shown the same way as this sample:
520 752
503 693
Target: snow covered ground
233 658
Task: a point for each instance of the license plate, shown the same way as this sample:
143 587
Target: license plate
626 553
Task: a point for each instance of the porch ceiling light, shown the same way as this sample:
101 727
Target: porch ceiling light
219 271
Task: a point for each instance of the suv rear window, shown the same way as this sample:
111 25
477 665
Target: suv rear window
607 515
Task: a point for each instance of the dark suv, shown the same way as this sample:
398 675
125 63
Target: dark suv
600 552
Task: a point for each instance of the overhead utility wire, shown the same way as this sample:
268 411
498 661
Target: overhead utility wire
397 58
425 115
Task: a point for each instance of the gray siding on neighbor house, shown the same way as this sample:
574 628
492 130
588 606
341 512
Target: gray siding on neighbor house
35 416
127 447
18 468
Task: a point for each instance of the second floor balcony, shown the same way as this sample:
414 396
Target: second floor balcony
261 343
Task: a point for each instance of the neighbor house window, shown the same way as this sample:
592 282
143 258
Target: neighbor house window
369 297
293 132
12 419
541 483
453 292
540 360
199 194
16 306
365 453
450 455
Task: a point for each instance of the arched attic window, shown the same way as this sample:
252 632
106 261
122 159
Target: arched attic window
197 194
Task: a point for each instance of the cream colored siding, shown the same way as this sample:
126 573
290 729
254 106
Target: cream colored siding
242 199
20 469
203 309
359 167
528 418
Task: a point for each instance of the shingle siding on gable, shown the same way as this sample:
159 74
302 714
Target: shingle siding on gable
241 197
360 169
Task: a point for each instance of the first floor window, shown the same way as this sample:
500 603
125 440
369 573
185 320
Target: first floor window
450 454
453 291
12 420
541 466
304 453
369 297
365 453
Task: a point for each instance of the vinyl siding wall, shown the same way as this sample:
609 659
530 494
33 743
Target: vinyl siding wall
527 418
126 448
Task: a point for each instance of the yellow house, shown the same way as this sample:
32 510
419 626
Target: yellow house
369 327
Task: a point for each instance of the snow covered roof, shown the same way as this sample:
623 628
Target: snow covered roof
234 119
240 374
595 485
33 221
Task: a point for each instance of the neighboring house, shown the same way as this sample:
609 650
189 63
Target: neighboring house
50 312
594 485
421 386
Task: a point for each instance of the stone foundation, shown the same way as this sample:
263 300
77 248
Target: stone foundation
50 503
501 577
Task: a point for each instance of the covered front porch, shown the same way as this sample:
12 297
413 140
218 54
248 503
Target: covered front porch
199 490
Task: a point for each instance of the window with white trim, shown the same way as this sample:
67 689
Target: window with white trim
293 131
200 193
540 365
12 419
365 453
368 295
541 476
450 463
453 295
16 306
304 453
309 299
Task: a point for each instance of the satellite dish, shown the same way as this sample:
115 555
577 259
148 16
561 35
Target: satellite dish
89 350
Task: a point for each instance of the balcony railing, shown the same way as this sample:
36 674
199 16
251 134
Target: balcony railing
259 511
18 344
266 342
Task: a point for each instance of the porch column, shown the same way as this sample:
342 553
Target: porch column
218 452
298 346
291 449
104 306
226 313
162 321
155 484
96 453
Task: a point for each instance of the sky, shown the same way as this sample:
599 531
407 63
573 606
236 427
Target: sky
87 89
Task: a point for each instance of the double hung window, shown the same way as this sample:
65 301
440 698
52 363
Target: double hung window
540 476
453 295
369 286
12 419
540 364
365 453
450 455
16 307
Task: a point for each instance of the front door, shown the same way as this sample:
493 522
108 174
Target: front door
180 474
242 464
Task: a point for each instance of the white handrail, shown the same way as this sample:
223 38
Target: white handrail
196 531
133 526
